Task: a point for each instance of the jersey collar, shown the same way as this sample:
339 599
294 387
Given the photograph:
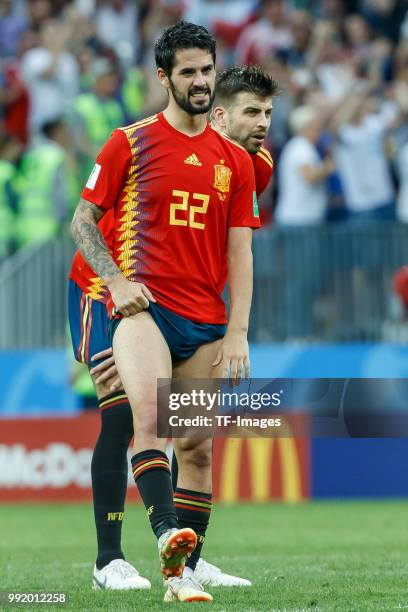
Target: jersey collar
181 135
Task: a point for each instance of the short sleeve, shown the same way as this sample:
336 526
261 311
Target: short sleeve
263 168
243 205
106 180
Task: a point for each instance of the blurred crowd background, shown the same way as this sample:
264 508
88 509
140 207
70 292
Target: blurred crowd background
73 70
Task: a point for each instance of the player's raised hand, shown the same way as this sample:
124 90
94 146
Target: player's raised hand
128 297
106 371
233 354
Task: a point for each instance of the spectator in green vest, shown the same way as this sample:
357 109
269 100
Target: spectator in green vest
10 150
133 93
47 186
96 114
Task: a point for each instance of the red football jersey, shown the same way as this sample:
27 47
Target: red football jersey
173 198
95 287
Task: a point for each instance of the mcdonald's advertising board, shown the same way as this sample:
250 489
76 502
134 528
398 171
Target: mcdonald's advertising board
48 459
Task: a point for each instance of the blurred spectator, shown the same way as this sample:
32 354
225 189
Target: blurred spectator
301 29
38 12
116 25
360 154
400 285
10 150
209 14
302 201
269 34
357 38
402 201
51 74
47 186
329 62
86 7
303 196
385 16
225 18
133 93
14 98
96 114
12 25
333 11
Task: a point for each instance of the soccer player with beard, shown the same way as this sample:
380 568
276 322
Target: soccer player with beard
242 109
184 202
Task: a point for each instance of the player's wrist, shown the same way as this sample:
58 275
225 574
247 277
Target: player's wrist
236 329
114 280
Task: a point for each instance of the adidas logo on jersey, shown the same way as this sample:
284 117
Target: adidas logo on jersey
193 160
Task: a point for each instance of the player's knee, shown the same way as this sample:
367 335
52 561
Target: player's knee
198 456
145 418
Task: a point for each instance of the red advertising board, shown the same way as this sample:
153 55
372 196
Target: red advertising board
48 459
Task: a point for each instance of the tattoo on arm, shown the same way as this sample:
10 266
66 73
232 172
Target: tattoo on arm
89 240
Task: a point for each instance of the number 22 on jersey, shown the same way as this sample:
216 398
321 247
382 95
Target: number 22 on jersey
186 205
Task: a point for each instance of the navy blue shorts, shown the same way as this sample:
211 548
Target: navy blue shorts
88 322
183 336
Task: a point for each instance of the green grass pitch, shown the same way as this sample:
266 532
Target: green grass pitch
313 556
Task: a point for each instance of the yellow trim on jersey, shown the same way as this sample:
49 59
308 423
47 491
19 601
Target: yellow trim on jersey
96 289
127 216
139 123
266 152
265 159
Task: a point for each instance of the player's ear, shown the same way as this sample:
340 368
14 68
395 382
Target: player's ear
163 78
219 113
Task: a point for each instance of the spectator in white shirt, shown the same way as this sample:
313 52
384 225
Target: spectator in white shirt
51 74
360 155
402 201
303 197
301 209
117 26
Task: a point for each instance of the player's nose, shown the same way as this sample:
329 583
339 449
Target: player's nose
199 79
263 120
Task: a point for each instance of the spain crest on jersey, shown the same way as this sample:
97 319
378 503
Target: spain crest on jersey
222 178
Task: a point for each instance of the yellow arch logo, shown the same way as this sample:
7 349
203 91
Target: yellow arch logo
260 466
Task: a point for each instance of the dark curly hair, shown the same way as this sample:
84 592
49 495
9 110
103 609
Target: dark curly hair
182 35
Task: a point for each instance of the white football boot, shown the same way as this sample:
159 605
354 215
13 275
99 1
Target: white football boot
186 588
211 575
175 545
118 575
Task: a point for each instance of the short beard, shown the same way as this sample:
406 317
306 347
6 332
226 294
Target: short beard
186 105
253 149
245 143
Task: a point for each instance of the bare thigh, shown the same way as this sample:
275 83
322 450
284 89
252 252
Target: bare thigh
142 356
199 364
195 454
